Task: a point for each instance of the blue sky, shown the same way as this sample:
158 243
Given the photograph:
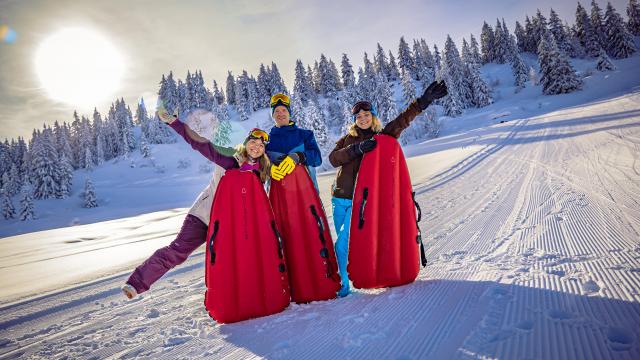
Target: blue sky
216 36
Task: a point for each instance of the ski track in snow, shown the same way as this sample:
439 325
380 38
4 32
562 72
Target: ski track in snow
533 249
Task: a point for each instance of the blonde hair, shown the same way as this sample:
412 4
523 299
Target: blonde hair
242 156
376 126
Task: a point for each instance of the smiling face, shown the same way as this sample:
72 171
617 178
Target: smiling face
281 116
364 119
255 148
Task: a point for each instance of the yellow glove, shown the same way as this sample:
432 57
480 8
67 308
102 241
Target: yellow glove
276 174
163 114
287 166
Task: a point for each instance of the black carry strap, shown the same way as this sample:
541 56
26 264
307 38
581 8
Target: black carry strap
212 253
423 256
365 193
324 252
281 266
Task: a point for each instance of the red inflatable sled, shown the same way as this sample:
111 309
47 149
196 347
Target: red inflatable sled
311 259
384 238
245 269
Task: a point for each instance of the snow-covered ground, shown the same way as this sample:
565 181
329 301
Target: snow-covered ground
532 230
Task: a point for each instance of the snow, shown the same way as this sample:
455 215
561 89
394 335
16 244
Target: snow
532 231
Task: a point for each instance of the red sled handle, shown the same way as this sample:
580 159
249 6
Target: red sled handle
423 255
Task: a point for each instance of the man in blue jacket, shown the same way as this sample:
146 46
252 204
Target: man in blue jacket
290 145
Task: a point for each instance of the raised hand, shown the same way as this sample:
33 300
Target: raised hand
437 90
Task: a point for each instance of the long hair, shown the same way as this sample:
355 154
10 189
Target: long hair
376 126
265 164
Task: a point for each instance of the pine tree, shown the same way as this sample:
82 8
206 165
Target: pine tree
264 85
347 117
231 89
520 71
479 89
633 14
11 182
530 43
277 84
557 30
456 74
348 77
408 89
520 37
168 93
500 44
585 33
89 195
620 41
597 23
43 162
64 177
301 86
604 63
316 123
539 28
380 61
405 60
387 109
26 203
222 134
393 74
144 147
557 75
8 211
487 44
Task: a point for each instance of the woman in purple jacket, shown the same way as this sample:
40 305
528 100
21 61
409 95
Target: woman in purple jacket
249 156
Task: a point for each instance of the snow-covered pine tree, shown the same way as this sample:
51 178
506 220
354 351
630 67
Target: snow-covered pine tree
89 195
144 147
604 62
64 176
556 74
348 77
335 75
297 112
380 61
393 74
408 89
347 118
301 86
43 165
168 92
451 103
539 28
243 101
231 89
456 74
253 95
405 60
597 23
487 44
184 96
8 211
277 84
633 15
558 32
222 134
12 182
500 44
520 37
520 71
620 42
27 211
264 85
316 122
530 45
387 109
480 91
326 86
585 33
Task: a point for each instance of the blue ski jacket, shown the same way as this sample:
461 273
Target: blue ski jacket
287 138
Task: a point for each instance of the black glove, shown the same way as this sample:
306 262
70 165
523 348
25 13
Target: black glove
363 147
435 91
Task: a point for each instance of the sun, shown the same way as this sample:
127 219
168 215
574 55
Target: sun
79 66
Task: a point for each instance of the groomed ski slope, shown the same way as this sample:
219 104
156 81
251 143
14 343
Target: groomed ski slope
533 242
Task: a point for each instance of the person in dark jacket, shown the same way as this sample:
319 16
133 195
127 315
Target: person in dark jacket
249 156
347 156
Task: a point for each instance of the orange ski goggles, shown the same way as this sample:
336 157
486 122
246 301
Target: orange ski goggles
280 98
259 134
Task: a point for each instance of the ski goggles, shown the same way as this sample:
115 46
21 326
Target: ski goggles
280 98
259 134
360 106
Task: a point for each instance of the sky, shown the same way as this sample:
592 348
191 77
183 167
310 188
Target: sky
152 38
